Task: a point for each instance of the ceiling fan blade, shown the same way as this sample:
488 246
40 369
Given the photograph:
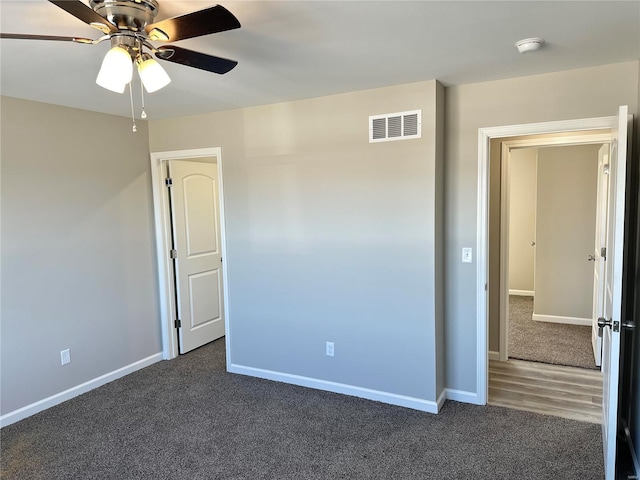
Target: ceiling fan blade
202 22
195 59
86 14
20 36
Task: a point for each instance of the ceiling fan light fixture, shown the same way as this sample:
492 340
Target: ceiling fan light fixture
129 26
116 71
153 76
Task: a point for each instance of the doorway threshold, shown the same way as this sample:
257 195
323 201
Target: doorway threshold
567 392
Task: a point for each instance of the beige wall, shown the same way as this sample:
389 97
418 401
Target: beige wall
77 249
583 93
565 230
331 238
522 218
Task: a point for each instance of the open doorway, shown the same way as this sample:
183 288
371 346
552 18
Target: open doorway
554 200
191 248
542 226
549 218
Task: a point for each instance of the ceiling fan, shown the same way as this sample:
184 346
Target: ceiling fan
128 25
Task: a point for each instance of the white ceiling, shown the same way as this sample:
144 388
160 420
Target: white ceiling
290 50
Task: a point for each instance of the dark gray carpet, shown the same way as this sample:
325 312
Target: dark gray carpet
189 419
545 342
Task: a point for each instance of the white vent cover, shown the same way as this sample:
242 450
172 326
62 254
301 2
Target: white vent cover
395 126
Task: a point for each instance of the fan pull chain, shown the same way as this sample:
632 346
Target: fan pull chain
143 114
133 116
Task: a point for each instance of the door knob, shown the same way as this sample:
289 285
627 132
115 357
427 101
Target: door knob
603 322
591 258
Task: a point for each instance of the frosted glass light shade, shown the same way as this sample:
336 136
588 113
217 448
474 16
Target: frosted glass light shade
153 76
116 70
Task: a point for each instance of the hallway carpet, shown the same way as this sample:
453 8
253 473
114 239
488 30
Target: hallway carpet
554 343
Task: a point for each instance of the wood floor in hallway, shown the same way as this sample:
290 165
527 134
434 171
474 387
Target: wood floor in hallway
567 392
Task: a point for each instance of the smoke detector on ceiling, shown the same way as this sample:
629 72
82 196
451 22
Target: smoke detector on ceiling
529 44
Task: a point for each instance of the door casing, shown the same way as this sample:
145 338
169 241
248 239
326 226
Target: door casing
163 243
485 135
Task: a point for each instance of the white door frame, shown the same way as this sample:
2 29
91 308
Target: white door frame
163 243
566 139
482 240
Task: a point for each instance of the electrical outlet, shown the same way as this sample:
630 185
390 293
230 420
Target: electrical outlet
329 349
467 255
65 357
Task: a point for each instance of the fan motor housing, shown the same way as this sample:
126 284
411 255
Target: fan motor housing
132 15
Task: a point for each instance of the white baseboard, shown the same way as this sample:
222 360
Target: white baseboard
27 411
494 355
522 293
462 396
377 395
556 319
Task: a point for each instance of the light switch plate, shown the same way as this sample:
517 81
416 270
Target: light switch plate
467 255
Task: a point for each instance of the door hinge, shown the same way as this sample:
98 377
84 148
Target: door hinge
177 323
168 182
173 253
616 326
603 253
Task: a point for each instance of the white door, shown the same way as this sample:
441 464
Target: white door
613 291
198 262
599 255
